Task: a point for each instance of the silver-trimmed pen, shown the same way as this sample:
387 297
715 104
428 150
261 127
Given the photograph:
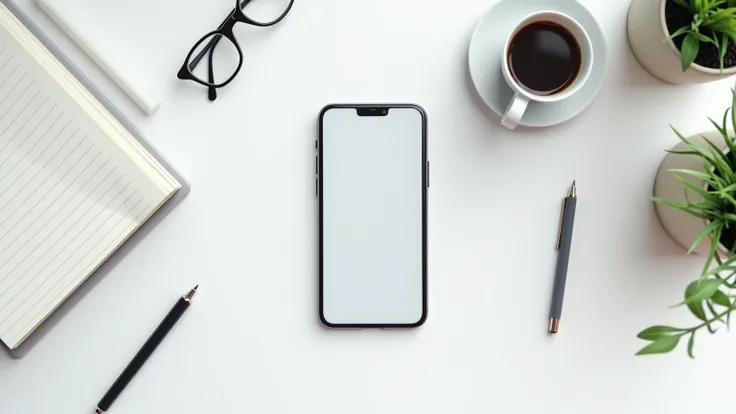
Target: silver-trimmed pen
564 240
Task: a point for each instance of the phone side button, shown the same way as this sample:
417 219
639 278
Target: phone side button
316 187
427 174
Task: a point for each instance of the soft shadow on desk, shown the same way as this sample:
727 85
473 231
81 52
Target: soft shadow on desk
634 75
631 77
657 240
6 361
635 83
653 256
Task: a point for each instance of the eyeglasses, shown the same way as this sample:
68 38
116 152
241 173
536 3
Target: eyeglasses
224 57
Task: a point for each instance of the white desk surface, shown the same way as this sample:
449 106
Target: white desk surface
252 342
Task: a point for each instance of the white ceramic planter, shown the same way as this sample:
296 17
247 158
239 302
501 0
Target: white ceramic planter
647 33
682 227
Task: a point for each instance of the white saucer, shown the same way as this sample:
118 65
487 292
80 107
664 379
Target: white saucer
486 52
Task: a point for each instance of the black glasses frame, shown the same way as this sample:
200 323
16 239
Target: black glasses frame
226 30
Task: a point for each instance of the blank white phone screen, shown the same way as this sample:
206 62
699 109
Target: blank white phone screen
372 217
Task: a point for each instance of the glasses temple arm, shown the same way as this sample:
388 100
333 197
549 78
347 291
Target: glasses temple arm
212 92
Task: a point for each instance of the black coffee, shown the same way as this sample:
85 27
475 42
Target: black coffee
544 58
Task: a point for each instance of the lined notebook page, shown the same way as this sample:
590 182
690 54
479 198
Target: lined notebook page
73 184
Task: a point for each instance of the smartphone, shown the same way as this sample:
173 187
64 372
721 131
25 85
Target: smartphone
372 183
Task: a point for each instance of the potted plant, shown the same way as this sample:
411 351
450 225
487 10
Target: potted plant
695 195
684 41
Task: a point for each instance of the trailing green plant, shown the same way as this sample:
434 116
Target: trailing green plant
710 298
714 21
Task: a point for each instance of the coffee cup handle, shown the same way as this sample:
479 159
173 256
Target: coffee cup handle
515 111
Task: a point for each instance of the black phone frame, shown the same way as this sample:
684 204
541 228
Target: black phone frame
375 110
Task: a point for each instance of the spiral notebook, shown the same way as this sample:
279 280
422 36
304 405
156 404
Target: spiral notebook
75 183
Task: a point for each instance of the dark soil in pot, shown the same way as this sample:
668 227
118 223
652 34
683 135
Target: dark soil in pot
728 237
676 17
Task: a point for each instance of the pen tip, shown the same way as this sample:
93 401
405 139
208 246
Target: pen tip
191 293
573 183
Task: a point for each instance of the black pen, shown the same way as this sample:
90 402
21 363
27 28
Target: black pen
145 352
563 256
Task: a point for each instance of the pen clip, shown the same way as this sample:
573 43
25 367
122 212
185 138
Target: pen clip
562 218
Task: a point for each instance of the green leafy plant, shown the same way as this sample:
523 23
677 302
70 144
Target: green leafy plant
710 298
714 21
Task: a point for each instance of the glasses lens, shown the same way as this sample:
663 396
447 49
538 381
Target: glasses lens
222 54
264 11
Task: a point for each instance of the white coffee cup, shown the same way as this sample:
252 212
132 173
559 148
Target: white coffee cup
523 96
